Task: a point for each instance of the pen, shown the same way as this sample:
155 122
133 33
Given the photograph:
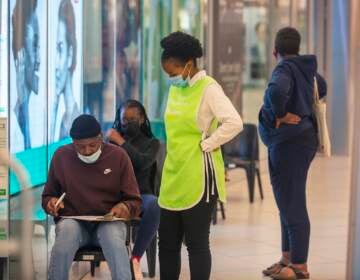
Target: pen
60 200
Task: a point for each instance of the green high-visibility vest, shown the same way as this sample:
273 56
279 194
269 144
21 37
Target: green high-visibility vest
183 177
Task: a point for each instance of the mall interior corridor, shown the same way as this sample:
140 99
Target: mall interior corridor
175 90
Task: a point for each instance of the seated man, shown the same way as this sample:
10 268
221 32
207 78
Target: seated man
97 178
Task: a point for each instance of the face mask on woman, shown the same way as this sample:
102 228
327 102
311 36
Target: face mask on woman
178 81
131 129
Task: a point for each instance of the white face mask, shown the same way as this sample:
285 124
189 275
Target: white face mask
92 158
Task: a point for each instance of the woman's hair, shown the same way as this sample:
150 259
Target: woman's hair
67 16
23 11
181 46
131 103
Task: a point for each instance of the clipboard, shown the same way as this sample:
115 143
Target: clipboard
105 218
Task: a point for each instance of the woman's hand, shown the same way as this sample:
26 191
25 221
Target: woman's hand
288 119
115 137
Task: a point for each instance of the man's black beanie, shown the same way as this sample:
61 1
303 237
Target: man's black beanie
85 126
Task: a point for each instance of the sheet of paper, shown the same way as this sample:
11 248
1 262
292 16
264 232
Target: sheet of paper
93 218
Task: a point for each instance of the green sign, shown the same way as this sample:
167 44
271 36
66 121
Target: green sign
3 235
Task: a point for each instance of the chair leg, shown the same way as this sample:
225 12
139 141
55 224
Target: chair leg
92 268
222 208
260 183
132 270
151 257
2 268
250 174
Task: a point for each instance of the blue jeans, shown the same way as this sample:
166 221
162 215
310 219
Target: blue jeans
149 224
72 234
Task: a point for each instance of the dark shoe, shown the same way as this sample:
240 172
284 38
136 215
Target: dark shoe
273 269
290 273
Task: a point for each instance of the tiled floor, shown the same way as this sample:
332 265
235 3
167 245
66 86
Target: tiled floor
248 240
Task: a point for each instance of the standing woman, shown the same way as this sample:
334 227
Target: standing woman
288 128
199 118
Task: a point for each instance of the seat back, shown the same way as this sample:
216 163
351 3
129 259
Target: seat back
244 146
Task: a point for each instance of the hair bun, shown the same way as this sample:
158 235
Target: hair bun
182 46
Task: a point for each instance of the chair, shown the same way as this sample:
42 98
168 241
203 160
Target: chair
94 254
243 152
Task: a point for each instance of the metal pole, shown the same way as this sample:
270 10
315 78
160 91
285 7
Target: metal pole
23 246
210 38
353 269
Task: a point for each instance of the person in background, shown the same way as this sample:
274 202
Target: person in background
132 131
288 129
199 118
98 179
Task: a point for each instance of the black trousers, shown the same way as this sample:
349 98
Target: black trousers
193 226
289 165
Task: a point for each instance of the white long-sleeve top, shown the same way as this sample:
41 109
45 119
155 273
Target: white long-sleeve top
216 105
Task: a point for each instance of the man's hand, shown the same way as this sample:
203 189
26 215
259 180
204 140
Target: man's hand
51 209
121 211
115 137
288 119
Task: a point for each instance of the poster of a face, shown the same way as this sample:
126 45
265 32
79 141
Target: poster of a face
65 66
27 74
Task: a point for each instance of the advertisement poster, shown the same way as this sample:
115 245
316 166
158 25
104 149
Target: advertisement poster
65 66
128 51
114 28
28 68
228 48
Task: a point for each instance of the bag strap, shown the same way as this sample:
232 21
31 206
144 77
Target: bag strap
316 92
